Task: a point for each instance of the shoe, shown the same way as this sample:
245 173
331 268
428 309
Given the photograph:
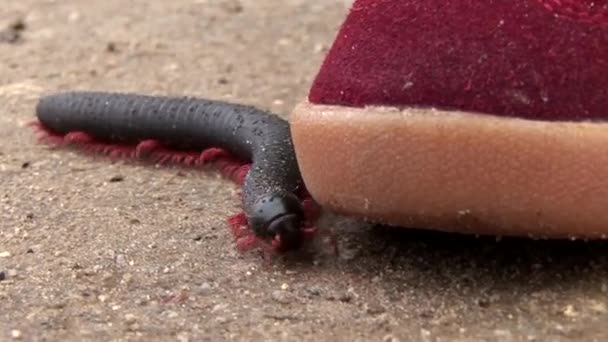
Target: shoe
484 117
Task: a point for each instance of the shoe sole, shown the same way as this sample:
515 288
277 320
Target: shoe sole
456 171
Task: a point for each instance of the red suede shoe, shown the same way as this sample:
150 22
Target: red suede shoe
486 117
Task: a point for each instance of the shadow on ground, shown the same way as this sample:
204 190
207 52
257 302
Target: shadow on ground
446 263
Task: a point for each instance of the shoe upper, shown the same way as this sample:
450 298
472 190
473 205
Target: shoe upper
535 59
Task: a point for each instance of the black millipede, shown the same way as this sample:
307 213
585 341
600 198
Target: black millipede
186 129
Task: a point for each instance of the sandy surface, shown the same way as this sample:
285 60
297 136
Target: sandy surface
150 257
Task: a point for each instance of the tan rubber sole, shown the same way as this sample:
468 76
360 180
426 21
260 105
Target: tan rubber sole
456 171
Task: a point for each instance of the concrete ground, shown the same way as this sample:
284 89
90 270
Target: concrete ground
86 257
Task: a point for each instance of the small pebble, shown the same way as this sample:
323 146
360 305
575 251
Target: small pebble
319 47
135 327
569 311
182 337
218 307
141 301
111 47
375 309
599 307
121 260
126 278
204 289
348 254
12 273
2 276
74 16
117 178
390 338
12 34
233 6
502 333
5 254
18 25
483 302
281 297
130 318
346 297
16 333
314 291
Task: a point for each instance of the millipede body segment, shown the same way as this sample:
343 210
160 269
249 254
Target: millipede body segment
190 130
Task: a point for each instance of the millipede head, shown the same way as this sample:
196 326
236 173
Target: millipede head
280 218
